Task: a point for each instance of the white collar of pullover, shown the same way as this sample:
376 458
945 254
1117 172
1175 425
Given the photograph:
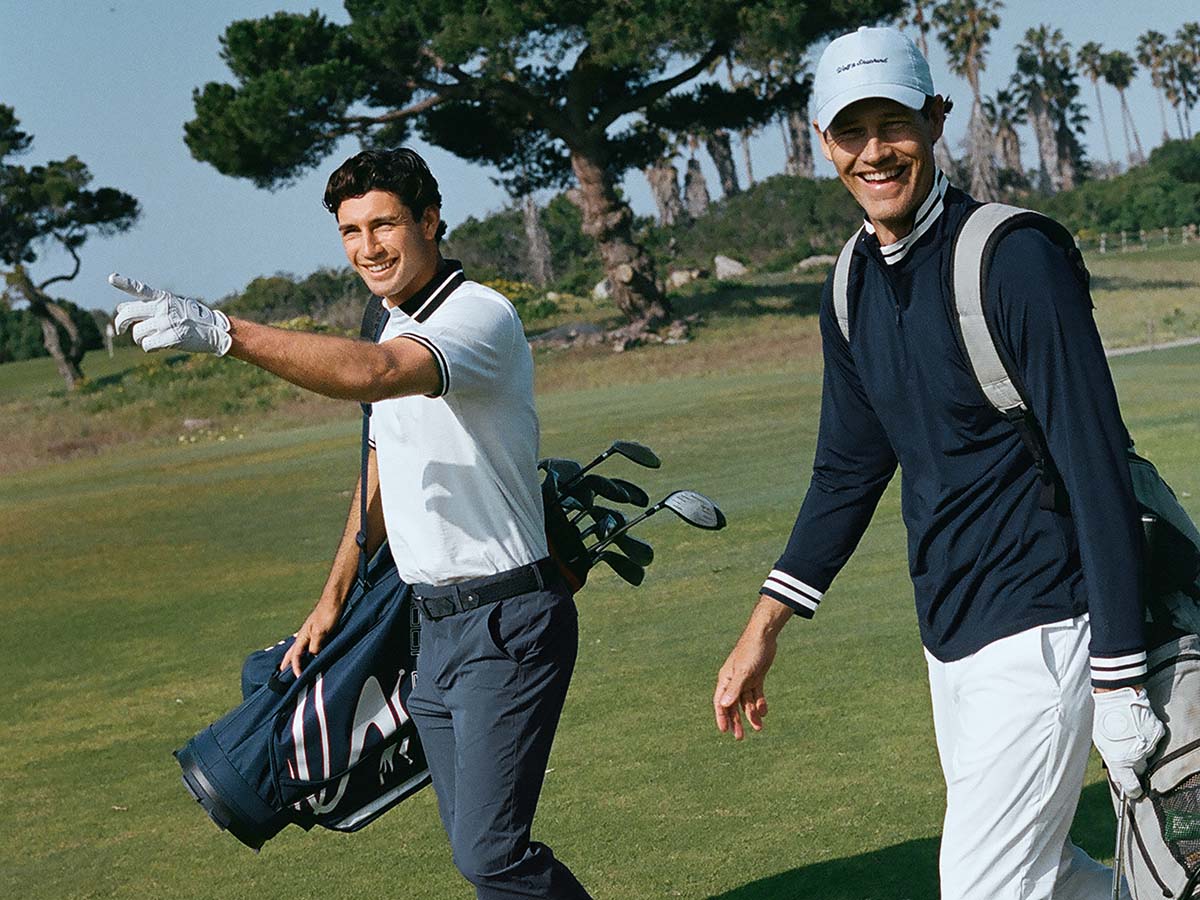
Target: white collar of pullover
927 214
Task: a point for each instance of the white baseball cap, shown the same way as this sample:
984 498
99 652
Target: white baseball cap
870 62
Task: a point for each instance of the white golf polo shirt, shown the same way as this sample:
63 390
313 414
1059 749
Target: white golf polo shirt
458 471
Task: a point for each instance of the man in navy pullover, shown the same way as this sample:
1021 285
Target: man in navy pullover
1014 600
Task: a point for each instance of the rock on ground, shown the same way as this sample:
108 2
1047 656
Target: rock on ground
726 267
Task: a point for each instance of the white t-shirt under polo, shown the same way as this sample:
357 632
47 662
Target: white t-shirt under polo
458 472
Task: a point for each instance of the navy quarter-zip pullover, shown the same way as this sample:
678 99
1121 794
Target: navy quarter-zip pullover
986 560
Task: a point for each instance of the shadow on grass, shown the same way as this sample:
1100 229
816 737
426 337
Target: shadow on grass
1125 283
1095 826
905 871
908 871
736 299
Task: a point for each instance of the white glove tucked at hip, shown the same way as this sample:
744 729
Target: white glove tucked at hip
1125 731
164 321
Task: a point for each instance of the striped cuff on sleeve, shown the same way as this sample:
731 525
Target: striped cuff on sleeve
438 357
791 591
1119 671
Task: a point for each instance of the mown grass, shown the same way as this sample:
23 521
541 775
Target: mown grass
136 580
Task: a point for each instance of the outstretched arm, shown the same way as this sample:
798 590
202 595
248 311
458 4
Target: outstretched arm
337 367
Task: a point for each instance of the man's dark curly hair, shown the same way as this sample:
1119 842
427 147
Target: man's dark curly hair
401 172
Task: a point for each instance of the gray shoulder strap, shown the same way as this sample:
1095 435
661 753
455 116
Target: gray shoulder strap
841 285
969 292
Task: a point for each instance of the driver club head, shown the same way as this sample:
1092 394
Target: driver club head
695 509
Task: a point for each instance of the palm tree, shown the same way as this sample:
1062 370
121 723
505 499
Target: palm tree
1090 59
1118 69
1004 113
1181 86
965 28
1188 42
1049 90
917 16
1151 53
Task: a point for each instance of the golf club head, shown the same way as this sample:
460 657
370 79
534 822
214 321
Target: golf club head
638 453
636 496
623 566
605 522
636 549
563 469
695 509
615 489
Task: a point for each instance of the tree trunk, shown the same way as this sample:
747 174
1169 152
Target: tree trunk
1103 123
52 317
1162 109
537 242
800 150
609 222
1049 180
1137 141
941 155
745 136
1008 149
664 185
980 144
695 190
720 148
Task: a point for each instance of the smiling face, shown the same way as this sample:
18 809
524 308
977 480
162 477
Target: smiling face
883 153
394 254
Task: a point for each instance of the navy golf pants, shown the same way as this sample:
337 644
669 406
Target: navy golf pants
489 690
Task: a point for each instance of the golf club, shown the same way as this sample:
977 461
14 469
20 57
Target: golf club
631 450
1118 854
565 469
692 507
605 522
636 549
623 566
618 490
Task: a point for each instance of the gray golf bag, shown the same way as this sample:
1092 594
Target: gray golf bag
1161 842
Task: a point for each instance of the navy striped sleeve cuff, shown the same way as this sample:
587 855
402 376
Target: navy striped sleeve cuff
438 357
791 591
1119 671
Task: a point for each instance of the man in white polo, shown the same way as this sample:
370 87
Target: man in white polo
452 482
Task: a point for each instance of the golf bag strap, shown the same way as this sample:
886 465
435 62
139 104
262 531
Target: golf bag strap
841 284
373 320
971 255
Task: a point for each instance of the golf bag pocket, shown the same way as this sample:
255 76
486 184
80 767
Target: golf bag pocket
334 747
1162 849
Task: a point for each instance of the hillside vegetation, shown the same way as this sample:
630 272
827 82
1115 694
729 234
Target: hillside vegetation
765 320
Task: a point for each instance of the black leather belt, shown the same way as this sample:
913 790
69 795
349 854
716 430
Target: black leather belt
439 601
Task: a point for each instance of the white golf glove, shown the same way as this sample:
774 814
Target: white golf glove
163 321
1125 731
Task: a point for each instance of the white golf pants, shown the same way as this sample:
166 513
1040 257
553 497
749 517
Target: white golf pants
1014 723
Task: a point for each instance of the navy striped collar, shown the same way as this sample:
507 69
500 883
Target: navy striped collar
421 305
927 214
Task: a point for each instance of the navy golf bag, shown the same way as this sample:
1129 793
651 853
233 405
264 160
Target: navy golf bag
334 747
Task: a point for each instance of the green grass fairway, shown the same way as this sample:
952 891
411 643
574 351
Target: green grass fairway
135 581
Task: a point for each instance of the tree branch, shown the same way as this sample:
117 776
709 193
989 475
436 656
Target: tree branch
412 110
75 256
647 95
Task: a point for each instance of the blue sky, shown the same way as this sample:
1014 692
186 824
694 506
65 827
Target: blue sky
111 81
